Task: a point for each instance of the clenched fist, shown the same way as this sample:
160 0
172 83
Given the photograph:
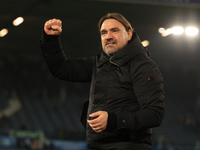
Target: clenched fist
53 27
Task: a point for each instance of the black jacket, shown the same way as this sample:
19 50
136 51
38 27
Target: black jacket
129 86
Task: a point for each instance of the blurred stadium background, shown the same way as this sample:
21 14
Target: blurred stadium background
39 112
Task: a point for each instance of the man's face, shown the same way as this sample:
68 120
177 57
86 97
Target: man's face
114 36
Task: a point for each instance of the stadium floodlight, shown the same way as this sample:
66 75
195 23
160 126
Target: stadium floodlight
161 30
166 32
191 31
3 32
18 21
145 43
177 30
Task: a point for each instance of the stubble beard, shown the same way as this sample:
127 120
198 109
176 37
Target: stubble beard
111 52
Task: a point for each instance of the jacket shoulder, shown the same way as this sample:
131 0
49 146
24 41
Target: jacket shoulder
143 64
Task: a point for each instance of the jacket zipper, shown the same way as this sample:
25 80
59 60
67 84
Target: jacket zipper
109 77
113 63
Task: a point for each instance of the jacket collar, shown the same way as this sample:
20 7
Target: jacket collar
128 52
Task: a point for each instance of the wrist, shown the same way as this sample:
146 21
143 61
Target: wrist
48 38
112 121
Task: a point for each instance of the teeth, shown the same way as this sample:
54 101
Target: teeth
110 43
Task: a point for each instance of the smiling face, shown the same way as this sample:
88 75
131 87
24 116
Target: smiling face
114 36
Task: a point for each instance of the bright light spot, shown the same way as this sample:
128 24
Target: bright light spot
191 31
167 32
3 32
161 30
145 43
177 30
18 21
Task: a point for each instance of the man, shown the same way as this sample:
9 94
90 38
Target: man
126 93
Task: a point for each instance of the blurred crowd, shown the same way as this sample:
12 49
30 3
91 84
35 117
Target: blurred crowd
32 77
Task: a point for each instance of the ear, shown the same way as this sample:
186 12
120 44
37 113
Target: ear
130 33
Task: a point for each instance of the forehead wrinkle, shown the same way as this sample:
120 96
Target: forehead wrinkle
113 28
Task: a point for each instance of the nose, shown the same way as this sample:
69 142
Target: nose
109 36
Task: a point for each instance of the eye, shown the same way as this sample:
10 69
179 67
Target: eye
102 33
115 30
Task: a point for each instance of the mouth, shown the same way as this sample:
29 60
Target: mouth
110 43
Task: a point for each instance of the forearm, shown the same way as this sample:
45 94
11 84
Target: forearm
52 52
79 70
147 118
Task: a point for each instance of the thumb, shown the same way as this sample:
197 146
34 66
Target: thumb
56 28
94 114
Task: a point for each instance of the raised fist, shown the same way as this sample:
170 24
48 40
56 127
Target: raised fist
53 27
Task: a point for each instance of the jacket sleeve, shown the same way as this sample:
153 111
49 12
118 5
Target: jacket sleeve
79 70
148 88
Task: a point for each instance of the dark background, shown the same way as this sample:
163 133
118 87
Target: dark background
24 70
